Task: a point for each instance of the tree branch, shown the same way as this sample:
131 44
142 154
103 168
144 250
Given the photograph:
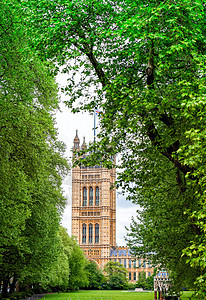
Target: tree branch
99 71
167 152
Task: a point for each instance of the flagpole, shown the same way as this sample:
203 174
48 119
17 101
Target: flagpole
94 125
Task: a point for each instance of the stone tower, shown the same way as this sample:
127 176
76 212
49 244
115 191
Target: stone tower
93 209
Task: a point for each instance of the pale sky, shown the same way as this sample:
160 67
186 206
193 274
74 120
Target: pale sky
67 124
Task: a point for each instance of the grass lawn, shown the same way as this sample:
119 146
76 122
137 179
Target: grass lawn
107 295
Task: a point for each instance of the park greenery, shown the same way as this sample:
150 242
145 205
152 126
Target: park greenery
116 274
108 295
142 64
32 162
34 249
116 278
94 275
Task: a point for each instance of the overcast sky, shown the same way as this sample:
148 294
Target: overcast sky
67 124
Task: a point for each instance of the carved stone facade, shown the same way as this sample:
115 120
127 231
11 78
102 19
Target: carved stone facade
94 216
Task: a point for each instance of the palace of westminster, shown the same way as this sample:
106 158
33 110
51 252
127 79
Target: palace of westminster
94 218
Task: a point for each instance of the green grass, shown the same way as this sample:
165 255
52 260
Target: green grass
107 295
98 295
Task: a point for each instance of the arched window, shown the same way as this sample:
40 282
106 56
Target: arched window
90 233
90 196
84 234
97 233
125 262
97 196
84 196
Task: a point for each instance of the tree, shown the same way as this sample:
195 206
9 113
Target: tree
94 275
31 157
57 276
69 271
145 283
148 70
116 275
77 261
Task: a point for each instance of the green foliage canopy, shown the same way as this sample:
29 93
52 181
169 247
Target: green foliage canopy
70 271
94 274
117 275
147 63
76 260
31 165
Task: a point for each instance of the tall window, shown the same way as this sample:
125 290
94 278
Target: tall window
84 196
90 196
90 233
139 263
134 264
130 276
130 263
84 234
125 263
135 278
97 196
97 233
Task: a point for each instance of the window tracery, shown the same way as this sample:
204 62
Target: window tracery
90 233
97 196
90 196
84 234
97 233
84 196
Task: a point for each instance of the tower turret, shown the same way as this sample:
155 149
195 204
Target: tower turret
83 147
76 142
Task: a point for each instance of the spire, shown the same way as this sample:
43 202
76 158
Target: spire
76 141
83 144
